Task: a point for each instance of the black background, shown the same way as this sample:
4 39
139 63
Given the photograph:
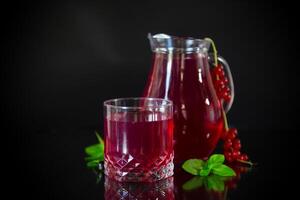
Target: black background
64 58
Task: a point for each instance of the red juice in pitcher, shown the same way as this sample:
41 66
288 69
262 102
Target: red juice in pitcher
185 79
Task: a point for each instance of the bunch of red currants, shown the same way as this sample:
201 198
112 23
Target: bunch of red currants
232 146
221 82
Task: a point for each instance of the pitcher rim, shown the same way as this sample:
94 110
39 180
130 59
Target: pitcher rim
164 43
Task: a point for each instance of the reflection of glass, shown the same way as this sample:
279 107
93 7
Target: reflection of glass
162 190
138 139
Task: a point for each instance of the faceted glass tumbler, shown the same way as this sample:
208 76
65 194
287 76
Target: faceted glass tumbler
138 139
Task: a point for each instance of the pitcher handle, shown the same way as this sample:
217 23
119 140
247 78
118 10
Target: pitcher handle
230 81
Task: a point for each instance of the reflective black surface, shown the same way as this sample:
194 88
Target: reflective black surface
53 167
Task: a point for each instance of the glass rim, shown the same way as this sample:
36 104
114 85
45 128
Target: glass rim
107 103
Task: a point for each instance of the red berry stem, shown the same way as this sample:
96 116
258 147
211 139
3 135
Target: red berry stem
214 50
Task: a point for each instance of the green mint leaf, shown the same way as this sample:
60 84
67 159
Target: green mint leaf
193 183
223 170
94 150
193 166
95 153
205 171
215 183
93 164
99 138
97 157
216 159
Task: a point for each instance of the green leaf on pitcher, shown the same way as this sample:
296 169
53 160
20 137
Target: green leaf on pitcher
193 166
223 170
193 183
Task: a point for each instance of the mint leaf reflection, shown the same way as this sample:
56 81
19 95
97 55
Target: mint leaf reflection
216 183
99 173
193 183
212 182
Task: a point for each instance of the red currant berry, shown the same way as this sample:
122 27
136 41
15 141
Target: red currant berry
244 157
227 154
237 146
226 96
219 72
220 93
241 157
231 133
229 158
236 154
227 144
225 80
227 89
222 75
220 66
219 84
236 141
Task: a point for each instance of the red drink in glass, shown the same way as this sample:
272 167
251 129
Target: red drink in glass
138 139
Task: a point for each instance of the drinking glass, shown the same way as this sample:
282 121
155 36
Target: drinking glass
138 139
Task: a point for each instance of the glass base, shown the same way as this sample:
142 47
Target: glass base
137 173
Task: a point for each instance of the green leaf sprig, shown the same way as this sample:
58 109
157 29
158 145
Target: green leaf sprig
214 165
95 153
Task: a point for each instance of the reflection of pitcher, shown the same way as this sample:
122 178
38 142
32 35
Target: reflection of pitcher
180 72
163 189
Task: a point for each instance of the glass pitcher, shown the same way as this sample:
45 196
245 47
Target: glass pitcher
181 72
